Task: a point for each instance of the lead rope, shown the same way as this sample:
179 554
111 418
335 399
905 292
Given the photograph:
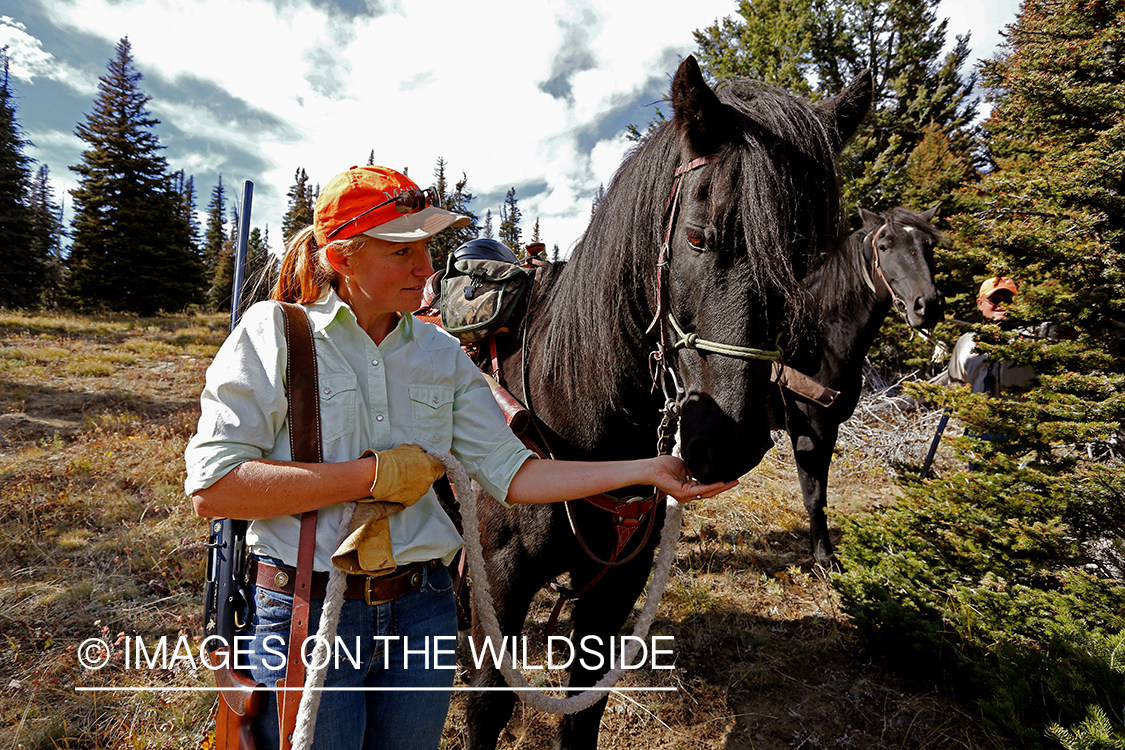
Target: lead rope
515 679
325 634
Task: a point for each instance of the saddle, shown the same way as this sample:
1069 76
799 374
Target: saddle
480 299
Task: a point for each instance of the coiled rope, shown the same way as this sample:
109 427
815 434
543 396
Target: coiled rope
325 634
337 581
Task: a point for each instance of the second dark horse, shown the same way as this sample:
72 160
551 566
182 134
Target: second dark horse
888 263
741 185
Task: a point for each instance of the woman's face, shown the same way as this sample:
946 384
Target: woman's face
386 277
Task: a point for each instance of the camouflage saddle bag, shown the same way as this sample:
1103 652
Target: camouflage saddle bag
479 297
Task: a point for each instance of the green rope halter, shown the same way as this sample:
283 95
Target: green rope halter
692 341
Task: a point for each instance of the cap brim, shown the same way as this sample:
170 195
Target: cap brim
417 226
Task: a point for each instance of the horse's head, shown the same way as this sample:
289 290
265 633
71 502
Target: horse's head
759 201
898 255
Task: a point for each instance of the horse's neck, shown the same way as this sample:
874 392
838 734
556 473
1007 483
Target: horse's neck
850 312
604 398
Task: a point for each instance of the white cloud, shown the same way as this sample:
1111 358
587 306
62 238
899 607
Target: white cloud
462 80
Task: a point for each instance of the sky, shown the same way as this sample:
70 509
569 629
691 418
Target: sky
530 94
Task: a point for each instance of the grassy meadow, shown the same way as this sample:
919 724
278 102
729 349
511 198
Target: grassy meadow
98 541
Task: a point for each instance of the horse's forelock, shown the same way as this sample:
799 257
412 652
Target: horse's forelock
778 184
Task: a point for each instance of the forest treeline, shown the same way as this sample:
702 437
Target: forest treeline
135 243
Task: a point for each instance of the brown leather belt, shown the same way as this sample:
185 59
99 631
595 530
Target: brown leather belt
371 589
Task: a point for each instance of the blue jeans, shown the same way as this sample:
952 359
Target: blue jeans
409 657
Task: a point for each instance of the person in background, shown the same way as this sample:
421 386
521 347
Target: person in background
388 384
977 370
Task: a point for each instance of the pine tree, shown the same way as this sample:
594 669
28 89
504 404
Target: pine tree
48 234
261 268
22 258
791 43
222 279
299 212
486 229
535 231
510 223
215 231
599 196
773 42
456 200
987 575
131 250
184 185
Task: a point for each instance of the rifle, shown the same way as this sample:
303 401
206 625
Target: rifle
226 602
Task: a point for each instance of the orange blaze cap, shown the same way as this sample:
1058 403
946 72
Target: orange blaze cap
990 286
349 194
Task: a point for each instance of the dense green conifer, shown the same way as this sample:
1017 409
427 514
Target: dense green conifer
132 250
454 199
299 209
1005 583
22 256
510 215
815 47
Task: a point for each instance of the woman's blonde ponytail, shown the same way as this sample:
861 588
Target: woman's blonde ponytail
305 272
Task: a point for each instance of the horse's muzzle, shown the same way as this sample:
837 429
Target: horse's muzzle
926 311
714 446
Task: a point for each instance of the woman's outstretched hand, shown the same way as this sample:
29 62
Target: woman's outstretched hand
671 477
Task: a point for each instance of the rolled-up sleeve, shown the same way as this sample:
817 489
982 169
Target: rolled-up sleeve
243 405
482 441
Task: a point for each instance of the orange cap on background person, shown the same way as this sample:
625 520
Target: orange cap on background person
379 202
993 285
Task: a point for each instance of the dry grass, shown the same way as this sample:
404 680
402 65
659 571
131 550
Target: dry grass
97 540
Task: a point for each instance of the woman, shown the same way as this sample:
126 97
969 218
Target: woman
386 380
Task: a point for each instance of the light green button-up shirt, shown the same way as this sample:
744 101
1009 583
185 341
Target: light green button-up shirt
418 386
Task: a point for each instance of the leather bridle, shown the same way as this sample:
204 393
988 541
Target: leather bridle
877 268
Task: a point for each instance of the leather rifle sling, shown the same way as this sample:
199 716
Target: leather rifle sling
305 444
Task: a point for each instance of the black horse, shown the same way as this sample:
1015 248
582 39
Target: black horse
740 187
889 262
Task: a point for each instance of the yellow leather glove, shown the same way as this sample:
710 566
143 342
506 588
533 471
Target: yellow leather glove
402 476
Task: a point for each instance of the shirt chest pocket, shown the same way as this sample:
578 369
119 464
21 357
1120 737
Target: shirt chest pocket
433 416
337 405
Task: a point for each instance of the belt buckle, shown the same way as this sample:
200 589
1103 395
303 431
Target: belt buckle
367 594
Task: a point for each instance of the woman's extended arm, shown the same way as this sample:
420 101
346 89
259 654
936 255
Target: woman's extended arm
266 489
545 481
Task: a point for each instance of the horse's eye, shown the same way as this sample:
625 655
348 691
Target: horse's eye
696 239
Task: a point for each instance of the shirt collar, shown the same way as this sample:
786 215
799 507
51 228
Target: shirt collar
326 310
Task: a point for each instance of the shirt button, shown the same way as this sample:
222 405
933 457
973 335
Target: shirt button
374 363
436 399
327 390
378 417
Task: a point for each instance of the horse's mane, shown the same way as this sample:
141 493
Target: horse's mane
837 279
779 200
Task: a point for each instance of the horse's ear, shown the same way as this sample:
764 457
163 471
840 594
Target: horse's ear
869 218
704 119
929 214
845 111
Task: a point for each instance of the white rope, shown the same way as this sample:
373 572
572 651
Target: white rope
326 634
466 500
